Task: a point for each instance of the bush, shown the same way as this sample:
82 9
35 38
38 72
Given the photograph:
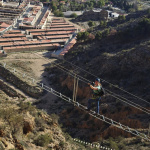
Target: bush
62 143
13 118
103 23
121 18
82 36
58 13
43 140
106 32
113 144
79 36
55 118
26 106
73 15
54 8
98 35
91 23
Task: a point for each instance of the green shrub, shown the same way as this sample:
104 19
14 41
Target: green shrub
73 15
113 144
55 118
26 106
82 36
91 23
121 18
106 33
122 146
58 13
43 140
62 143
1 146
98 35
103 23
13 119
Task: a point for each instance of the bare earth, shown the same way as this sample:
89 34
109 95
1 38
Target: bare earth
33 64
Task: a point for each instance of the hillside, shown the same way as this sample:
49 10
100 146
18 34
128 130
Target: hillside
22 125
33 119
121 58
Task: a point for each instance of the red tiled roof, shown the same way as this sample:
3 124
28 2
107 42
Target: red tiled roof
13 35
52 33
13 31
1 29
59 23
4 25
59 36
54 29
12 39
58 26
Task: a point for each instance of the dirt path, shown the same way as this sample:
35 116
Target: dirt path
35 64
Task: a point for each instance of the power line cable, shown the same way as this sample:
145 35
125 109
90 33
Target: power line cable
88 81
100 117
107 81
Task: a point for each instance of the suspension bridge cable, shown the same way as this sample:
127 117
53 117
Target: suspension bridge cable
92 145
100 117
116 96
83 80
74 88
87 81
107 82
133 105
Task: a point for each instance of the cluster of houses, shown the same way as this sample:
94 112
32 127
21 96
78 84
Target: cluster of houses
59 34
30 17
33 28
30 30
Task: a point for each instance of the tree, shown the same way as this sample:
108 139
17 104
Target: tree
91 23
131 10
58 13
106 32
73 15
54 8
144 26
98 35
121 18
101 3
103 23
85 35
148 11
79 36
82 36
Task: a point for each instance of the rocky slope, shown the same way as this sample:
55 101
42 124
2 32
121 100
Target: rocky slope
122 59
24 127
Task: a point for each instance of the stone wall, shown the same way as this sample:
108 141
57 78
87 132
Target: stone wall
33 91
